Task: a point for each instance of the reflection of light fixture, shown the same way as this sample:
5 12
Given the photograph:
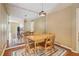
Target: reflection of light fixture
42 13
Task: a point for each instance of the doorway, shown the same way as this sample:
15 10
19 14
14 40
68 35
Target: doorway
13 38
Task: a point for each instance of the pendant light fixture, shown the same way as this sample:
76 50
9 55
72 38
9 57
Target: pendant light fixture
42 13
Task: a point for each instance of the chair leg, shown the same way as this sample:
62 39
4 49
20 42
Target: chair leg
35 48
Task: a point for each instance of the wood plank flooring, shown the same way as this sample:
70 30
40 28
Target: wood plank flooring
71 54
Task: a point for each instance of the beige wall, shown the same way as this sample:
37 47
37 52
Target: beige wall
73 27
39 25
3 27
14 29
61 22
14 23
27 25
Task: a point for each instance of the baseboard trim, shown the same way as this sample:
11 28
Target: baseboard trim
3 50
67 47
55 43
15 46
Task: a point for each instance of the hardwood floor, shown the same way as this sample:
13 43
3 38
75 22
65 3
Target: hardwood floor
9 51
71 54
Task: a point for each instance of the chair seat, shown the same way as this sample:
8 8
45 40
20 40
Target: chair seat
43 44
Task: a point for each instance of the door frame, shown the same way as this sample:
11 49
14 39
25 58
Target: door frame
77 32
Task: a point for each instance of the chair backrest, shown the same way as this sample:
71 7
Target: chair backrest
53 40
28 33
29 43
50 39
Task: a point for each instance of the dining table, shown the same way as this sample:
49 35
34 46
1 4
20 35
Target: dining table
38 38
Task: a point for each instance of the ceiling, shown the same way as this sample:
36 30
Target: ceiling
31 11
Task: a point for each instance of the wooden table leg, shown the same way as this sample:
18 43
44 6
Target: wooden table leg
35 49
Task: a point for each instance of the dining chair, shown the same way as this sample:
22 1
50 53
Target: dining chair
47 45
29 47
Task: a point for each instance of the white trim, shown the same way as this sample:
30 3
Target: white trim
67 47
4 50
77 42
15 46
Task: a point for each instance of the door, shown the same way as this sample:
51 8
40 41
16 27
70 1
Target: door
77 29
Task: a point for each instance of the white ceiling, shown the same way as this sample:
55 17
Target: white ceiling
19 10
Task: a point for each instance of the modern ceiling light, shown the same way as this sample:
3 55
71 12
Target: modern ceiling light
42 13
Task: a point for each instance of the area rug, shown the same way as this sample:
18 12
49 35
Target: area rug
59 51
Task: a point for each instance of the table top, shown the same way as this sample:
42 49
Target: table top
39 37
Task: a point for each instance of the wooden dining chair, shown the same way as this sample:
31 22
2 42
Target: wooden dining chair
47 44
50 43
29 47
